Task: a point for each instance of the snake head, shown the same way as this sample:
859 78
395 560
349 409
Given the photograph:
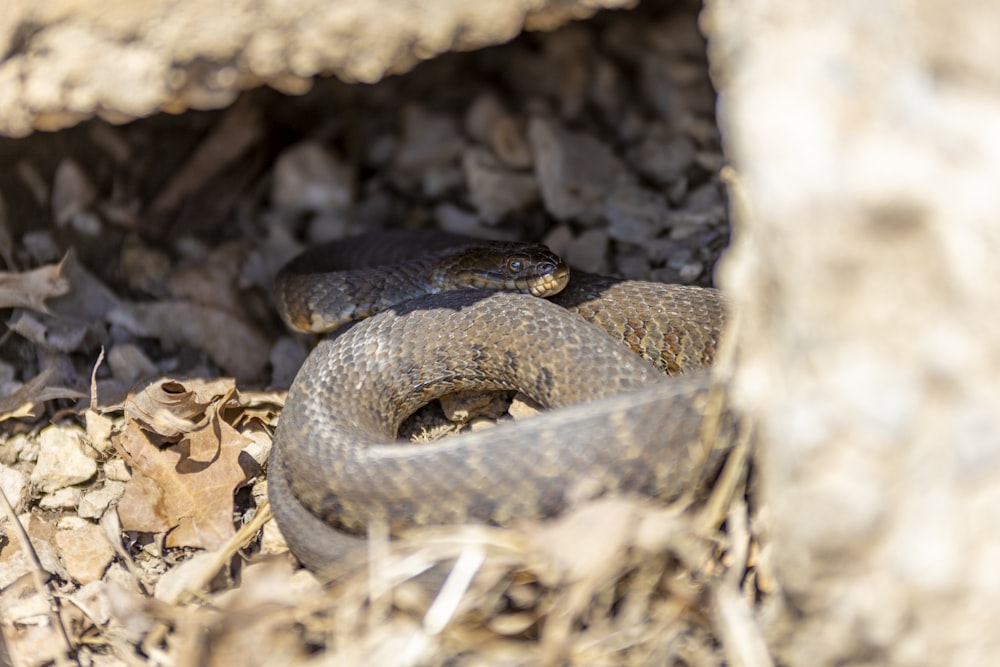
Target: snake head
516 267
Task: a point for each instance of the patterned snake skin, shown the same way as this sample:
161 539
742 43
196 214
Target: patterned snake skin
618 424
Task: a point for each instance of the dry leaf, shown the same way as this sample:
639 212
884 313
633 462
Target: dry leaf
89 300
25 401
172 408
30 289
187 488
236 346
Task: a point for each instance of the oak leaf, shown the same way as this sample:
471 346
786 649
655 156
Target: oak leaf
185 489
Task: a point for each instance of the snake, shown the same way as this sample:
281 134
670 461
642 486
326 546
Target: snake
622 366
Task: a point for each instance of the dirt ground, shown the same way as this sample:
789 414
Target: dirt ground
145 369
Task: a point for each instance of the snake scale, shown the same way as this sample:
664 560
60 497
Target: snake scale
618 423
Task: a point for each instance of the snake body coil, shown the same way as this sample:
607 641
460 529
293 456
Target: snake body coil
620 425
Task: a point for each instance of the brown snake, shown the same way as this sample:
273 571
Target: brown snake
620 425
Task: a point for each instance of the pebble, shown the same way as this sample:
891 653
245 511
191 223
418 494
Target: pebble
328 225
439 180
589 251
259 447
94 504
494 190
63 499
468 405
456 220
635 214
522 407
576 171
61 460
558 239
286 356
116 470
41 531
663 158
72 192
14 485
307 177
41 246
428 139
84 549
509 141
482 115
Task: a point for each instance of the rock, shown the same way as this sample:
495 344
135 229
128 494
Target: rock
41 532
494 190
132 60
466 406
84 549
328 225
61 461
522 407
286 355
635 215
455 220
72 192
509 141
41 246
116 470
438 181
482 115
576 171
14 485
428 139
589 251
451 218
559 239
307 177
259 448
63 499
20 448
663 158
95 503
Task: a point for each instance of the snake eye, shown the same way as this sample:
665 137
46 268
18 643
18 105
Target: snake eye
514 264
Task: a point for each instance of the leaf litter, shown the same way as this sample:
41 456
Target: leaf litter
152 350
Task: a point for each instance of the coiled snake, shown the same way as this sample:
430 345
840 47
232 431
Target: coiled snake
619 424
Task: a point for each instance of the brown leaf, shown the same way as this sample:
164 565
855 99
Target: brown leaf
89 300
186 489
236 346
30 289
174 407
25 401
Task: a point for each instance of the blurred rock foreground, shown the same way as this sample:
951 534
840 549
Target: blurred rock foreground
864 276
65 61
864 141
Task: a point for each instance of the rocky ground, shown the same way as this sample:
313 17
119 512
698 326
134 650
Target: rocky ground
144 368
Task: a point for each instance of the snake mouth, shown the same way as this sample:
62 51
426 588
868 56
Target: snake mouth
547 280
